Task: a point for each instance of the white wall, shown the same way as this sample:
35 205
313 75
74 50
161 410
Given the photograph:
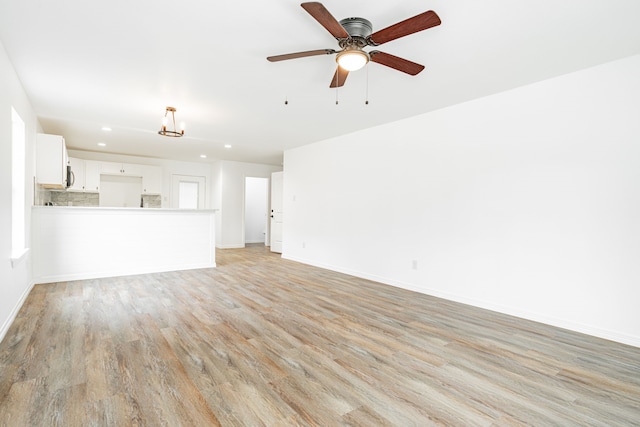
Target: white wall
120 191
216 196
526 202
15 281
232 179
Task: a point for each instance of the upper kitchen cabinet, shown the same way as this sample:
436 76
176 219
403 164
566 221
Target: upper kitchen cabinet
92 175
51 161
151 175
86 175
126 169
151 179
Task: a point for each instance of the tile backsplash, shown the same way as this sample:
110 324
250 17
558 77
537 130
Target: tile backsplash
73 198
152 200
76 198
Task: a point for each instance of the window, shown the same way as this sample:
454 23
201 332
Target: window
18 177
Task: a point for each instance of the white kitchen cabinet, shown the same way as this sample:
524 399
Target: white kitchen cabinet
126 169
77 177
92 175
109 168
151 175
151 179
86 175
51 161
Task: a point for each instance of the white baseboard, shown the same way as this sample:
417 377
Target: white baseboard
536 317
12 316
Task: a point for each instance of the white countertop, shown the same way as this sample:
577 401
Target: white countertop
105 208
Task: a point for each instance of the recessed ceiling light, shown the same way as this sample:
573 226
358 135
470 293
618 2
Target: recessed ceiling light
102 144
106 128
203 156
227 145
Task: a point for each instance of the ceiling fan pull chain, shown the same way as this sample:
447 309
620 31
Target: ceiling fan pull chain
286 99
337 80
366 101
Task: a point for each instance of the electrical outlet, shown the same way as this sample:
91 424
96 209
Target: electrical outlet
414 264
304 245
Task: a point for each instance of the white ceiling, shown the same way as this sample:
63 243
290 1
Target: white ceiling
89 64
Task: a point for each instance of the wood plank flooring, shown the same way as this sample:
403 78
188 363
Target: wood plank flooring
261 341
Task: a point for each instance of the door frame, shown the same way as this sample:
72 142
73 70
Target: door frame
176 179
275 215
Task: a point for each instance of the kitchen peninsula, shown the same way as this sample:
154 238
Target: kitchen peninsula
72 243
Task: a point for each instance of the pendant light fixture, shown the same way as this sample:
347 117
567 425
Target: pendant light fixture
165 121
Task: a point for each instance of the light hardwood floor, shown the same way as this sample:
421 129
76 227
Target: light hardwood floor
265 341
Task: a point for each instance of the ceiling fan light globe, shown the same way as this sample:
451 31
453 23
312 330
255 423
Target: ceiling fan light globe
352 60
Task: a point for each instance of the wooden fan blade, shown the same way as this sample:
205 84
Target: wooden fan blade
300 54
322 15
339 78
404 28
396 62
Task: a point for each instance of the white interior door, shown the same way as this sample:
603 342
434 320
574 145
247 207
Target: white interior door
276 211
187 192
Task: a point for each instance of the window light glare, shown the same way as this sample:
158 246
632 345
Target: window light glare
227 145
106 128
102 144
203 156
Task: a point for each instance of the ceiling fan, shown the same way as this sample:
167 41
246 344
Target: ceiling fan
353 34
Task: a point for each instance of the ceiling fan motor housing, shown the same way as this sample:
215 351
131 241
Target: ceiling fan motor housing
357 27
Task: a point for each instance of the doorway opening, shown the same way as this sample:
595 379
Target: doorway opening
256 208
